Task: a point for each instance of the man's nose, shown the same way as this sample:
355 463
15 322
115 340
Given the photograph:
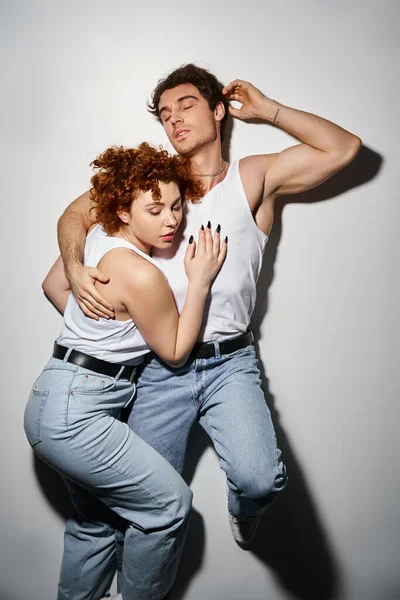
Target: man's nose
176 117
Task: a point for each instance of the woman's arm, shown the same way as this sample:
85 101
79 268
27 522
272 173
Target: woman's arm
56 286
149 301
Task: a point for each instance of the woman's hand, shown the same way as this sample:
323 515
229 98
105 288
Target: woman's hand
202 266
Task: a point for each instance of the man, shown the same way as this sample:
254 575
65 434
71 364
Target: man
220 384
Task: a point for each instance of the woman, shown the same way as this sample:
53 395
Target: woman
71 419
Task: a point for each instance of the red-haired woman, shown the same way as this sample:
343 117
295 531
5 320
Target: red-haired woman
71 419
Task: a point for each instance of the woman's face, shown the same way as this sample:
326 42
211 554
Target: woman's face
151 224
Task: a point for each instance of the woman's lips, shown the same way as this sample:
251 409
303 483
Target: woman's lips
168 237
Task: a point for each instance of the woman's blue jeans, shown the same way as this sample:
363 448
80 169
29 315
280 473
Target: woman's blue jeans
71 421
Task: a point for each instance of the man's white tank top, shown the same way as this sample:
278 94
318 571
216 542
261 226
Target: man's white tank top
110 340
233 294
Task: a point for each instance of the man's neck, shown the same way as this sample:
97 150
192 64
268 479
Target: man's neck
210 166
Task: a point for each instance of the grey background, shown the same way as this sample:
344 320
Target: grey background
75 77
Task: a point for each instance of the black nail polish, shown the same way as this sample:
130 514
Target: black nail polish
209 224
226 239
218 228
191 239
202 227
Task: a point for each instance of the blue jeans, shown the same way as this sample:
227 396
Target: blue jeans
224 394
71 421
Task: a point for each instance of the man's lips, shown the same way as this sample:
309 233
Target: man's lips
181 134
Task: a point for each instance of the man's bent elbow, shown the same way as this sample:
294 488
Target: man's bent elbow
353 148
347 153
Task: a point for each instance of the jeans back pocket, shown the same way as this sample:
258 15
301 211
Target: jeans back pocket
33 415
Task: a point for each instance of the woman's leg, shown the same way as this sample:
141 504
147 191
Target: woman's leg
71 420
89 560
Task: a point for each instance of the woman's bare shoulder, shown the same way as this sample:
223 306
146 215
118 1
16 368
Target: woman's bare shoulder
131 267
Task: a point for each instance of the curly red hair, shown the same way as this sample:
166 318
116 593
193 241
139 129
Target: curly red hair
122 173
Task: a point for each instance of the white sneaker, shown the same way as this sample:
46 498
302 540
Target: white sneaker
244 528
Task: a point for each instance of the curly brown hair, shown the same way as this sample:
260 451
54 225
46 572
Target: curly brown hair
207 84
122 173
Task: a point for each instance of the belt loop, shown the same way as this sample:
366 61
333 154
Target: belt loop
118 375
217 350
67 354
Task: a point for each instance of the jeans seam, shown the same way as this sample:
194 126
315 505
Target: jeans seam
213 442
41 395
83 562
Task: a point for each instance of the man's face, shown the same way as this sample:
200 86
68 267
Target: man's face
187 119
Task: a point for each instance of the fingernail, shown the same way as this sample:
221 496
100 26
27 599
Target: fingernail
226 239
218 228
191 239
209 224
202 227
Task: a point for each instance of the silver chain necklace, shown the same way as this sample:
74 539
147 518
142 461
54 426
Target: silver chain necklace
212 174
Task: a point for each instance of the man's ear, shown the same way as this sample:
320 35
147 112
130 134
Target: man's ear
219 111
124 216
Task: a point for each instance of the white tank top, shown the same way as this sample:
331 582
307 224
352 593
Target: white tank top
110 340
232 298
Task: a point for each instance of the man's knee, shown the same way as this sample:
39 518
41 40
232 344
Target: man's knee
261 486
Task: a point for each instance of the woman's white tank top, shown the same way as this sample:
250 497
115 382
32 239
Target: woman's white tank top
110 340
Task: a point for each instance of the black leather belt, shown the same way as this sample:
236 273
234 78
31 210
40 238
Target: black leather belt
94 364
207 349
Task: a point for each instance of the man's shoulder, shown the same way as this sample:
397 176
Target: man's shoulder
256 162
253 171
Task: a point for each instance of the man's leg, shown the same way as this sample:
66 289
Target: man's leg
165 408
162 415
235 415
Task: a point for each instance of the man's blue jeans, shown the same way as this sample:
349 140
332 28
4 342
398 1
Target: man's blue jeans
71 421
224 394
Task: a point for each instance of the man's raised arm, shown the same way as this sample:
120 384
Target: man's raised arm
72 229
325 147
